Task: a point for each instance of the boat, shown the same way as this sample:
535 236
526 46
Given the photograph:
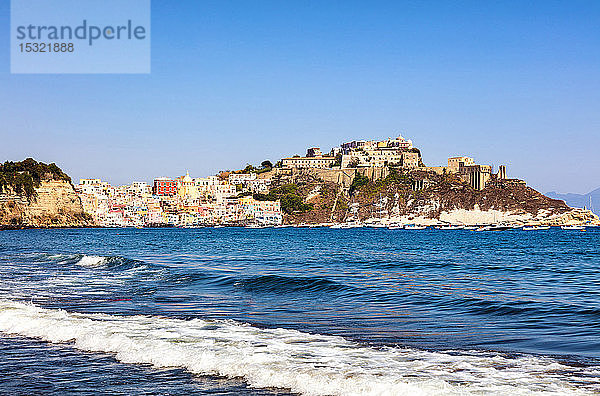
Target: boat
255 226
377 225
472 227
451 227
494 227
535 228
350 224
572 227
414 227
395 226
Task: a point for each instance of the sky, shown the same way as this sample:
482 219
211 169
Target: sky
237 82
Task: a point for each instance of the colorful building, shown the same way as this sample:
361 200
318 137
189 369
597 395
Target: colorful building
164 186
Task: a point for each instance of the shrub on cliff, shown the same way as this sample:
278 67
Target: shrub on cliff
24 177
358 182
291 201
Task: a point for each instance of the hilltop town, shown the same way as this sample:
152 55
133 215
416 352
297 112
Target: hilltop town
364 180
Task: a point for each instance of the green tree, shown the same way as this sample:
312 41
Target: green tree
25 176
291 201
266 164
358 182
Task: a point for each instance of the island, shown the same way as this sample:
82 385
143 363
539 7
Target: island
366 182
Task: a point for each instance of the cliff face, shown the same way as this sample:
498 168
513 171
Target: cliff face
419 196
54 204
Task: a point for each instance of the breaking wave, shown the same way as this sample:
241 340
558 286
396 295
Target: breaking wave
91 261
310 364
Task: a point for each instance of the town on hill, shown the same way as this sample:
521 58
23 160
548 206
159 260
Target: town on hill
373 181
364 180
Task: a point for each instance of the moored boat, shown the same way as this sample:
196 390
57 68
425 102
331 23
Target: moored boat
376 225
451 227
414 227
349 224
572 227
494 227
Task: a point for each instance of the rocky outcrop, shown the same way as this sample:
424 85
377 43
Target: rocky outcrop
54 204
420 197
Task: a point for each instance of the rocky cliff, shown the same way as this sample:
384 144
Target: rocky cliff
33 194
419 197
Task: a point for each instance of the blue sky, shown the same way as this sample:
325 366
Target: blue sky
236 82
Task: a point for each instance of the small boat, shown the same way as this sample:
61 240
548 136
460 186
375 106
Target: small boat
494 227
350 224
471 228
451 227
377 225
535 228
414 227
573 228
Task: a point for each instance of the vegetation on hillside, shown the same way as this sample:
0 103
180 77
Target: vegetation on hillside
265 166
25 176
291 201
359 181
337 162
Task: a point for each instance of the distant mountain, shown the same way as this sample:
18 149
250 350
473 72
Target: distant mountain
580 200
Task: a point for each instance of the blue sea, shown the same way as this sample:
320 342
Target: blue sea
299 311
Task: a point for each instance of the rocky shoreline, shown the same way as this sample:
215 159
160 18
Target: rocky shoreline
423 198
55 205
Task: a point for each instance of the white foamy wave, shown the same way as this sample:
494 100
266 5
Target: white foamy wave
305 363
91 261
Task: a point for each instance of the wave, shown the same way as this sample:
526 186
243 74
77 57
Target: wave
310 364
91 261
276 284
287 284
523 308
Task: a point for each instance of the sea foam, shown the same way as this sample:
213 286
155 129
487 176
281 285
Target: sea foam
91 261
310 364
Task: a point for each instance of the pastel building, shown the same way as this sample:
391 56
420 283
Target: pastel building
241 178
186 187
360 153
454 163
263 212
213 188
314 159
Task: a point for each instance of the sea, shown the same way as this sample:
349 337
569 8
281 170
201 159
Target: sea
307 311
